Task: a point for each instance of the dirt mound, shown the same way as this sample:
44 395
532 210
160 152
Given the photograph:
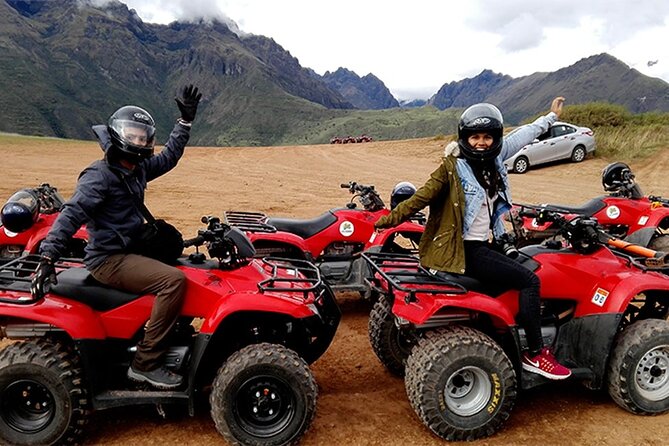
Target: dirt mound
360 403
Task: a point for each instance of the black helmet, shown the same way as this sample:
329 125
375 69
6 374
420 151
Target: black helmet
21 211
401 192
481 118
132 131
617 176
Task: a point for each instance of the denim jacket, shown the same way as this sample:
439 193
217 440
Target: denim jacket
475 194
454 198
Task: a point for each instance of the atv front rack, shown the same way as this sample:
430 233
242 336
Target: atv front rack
16 275
305 276
248 221
404 273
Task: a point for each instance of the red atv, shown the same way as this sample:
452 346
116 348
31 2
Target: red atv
334 239
248 329
624 213
26 219
458 344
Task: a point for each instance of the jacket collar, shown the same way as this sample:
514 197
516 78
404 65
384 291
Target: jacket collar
452 149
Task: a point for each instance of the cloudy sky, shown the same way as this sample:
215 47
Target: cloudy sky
416 46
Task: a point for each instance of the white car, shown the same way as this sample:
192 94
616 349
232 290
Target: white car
562 141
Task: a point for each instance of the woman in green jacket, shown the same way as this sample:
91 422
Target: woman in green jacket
468 195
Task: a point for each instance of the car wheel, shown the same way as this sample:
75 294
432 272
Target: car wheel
521 165
578 154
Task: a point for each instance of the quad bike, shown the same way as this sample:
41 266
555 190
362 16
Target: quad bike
456 341
248 330
26 219
334 239
624 213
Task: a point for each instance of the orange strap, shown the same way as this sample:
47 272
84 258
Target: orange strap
630 247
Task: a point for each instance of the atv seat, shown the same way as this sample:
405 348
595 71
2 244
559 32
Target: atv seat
78 284
472 284
303 228
405 277
588 209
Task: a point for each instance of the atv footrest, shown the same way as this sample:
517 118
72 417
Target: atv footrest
249 221
530 380
120 398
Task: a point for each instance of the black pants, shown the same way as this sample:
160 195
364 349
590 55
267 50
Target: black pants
489 266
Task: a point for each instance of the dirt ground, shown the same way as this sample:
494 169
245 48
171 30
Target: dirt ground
359 402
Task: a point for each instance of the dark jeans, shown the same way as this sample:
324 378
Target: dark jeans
489 266
142 275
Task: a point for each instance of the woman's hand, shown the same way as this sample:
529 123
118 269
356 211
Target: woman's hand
556 106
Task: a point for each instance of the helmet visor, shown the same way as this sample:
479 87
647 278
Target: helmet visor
134 133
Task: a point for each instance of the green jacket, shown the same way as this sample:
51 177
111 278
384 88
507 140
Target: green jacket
441 245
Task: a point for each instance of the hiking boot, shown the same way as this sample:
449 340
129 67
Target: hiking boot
160 378
545 364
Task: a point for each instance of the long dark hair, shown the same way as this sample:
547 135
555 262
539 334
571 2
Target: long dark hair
487 175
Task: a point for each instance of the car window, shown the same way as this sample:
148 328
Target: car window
545 135
560 130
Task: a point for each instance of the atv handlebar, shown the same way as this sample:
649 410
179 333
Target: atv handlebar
195 241
584 233
368 196
656 199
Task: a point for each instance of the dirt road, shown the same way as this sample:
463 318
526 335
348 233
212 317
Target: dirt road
360 403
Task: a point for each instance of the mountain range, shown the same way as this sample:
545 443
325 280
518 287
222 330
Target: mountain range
68 64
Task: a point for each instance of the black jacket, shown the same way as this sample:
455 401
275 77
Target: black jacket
103 202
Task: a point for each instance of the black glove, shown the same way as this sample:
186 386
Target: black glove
44 274
188 102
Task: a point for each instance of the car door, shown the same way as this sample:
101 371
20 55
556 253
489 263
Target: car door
561 142
539 151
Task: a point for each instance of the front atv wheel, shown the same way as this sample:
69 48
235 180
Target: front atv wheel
42 397
460 383
639 368
390 344
265 395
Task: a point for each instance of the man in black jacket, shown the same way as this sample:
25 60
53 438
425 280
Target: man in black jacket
106 199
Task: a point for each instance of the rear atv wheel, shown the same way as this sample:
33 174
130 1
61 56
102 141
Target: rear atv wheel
639 368
42 397
390 344
263 395
460 383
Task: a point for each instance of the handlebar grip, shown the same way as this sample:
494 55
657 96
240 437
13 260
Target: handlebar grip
197 241
528 213
345 185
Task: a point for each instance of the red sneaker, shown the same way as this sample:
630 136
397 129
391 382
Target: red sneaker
546 365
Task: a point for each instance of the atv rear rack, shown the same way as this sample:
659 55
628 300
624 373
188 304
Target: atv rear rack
403 272
248 221
16 275
306 276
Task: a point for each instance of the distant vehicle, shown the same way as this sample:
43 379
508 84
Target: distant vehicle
351 139
562 141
